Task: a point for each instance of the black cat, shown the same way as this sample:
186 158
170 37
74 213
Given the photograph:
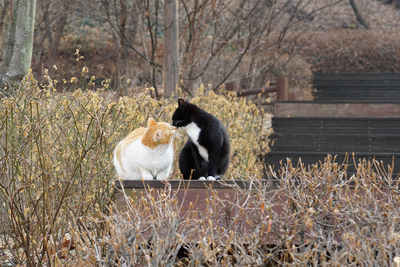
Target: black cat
206 153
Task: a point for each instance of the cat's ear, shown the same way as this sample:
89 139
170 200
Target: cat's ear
182 102
157 135
151 122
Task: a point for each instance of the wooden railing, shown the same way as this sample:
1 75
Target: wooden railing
280 86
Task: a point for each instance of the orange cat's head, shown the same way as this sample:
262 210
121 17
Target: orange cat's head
158 133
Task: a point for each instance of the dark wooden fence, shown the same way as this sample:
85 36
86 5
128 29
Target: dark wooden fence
374 87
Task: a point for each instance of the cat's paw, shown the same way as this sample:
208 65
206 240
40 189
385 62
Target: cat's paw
202 178
211 178
146 175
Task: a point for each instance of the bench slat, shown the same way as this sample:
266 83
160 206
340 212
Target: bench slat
348 86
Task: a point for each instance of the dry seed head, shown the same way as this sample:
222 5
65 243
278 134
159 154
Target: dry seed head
85 70
396 261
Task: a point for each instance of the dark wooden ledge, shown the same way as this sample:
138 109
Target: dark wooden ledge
192 184
234 207
189 191
192 199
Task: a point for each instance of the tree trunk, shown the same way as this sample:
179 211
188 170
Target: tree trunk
18 52
122 53
358 15
9 44
171 46
4 16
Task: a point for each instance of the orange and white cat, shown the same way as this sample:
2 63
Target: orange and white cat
146 153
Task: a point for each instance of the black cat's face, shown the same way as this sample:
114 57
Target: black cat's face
181 116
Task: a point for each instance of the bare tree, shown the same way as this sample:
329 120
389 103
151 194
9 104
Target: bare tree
52 19
219 40
4 16
222 39
17 57
135 25
56 30
358 15
171 47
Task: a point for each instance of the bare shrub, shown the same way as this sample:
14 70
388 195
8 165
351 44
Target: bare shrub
315 216
57 183
56 158
353 51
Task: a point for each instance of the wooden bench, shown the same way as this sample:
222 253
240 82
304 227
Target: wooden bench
352 114
312 138
337 108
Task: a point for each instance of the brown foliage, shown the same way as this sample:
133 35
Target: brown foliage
353 51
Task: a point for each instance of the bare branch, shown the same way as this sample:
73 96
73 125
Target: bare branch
358 15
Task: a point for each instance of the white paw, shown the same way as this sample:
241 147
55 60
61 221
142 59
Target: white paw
211 178
202 178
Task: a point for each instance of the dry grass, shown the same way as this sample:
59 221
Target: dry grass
56 157
314 217
57 178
